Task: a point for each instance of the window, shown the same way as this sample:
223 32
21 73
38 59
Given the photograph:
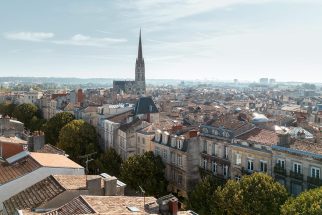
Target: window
173 175
237 177
214 167
143 140
203 163
180 143
179 160
213 149
138 139
263 166
281 163
173 157
157 151
297 167
165 154
205 146
226 152
238 159
173 142
225 170
315 172
179 179
250 165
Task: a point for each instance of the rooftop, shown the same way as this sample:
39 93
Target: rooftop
48 148
34 196
307 146
260 136
14 140
145 105
17 169
54 160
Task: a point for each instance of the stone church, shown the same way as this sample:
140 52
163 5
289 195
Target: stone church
138 86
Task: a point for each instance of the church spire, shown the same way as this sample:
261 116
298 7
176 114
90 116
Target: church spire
140 55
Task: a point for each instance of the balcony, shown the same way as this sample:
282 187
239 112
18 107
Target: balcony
314 181
296 175
279 170
216 158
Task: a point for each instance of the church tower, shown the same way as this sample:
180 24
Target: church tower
140 70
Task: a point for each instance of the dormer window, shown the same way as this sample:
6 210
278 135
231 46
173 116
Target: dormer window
158 136
180 143
165 137
173 141
205 130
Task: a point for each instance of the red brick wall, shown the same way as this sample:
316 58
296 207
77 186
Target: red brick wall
10 149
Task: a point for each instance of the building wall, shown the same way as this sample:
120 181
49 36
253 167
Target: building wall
9 149
246 154
19 184
294 185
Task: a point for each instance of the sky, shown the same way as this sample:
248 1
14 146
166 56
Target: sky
182 39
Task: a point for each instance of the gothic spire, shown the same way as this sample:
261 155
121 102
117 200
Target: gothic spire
140 55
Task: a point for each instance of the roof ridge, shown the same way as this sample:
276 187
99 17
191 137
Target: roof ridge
83 199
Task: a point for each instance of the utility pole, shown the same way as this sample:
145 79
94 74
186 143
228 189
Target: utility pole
88 159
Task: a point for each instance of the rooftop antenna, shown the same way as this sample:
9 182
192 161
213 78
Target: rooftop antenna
143 192
88 159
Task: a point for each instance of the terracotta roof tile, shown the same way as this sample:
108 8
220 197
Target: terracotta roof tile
17 169
260 136
77 206
51 149
71 182
307 146
54 160
34 196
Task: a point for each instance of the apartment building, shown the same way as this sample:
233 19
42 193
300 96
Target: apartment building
179 151
215 146
298 165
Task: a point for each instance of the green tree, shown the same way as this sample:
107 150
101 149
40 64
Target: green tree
6 109
36 124
109 162
254 194
201 198
307 203
78 138
25 113
55 124
146 171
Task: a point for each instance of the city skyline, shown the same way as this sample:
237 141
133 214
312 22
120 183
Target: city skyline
203 40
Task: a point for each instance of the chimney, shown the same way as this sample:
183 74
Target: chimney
94 186
173 206
110 186
284 139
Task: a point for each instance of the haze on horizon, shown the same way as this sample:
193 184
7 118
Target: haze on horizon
182 39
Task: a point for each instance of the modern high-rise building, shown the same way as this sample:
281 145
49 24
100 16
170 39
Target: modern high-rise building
137 86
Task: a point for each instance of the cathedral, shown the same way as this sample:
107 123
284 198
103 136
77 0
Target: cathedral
138 86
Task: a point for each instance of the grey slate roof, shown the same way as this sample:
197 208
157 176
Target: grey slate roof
145 105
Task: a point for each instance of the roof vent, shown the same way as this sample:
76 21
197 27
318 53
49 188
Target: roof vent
133 209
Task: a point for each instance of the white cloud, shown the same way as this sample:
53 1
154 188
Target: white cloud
83 40
29 36
164 11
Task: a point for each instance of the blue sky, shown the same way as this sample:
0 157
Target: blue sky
182 39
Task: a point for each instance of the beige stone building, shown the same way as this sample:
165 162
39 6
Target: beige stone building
215 146
298 165
252 152
179 151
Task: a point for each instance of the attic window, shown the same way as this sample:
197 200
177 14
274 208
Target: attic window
133 209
